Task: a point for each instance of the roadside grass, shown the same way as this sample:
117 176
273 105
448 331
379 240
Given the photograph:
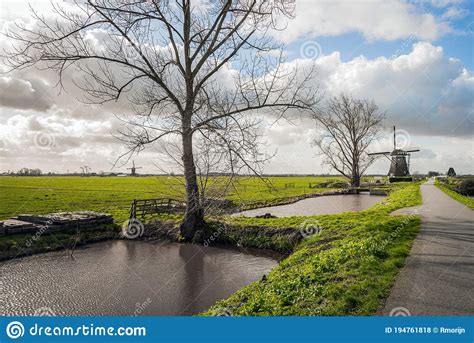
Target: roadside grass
469 202
346 269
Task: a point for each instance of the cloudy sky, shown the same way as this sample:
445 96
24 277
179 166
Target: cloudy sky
413 58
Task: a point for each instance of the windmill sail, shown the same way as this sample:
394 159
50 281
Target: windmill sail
399 159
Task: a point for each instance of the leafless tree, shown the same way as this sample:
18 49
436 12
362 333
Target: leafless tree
85 170
197 70
349 126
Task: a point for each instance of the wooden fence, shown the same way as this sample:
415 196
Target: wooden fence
141 208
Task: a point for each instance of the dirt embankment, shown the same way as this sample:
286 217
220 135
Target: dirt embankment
262 237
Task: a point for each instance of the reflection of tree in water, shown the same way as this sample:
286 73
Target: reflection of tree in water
130 251
358 202
193 260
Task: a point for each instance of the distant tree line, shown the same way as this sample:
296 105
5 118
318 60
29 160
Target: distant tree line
85 170
30 171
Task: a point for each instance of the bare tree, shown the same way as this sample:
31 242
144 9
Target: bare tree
349 126
85 170
175 59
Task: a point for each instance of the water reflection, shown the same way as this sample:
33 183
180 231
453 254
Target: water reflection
193 271
320 205
128 277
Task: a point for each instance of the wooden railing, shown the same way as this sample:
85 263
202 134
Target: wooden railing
141 208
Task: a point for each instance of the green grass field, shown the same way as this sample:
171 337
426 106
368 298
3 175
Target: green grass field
42 195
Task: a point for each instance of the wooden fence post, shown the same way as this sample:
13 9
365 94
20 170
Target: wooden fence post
133 210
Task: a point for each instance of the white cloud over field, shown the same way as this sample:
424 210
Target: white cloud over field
423 91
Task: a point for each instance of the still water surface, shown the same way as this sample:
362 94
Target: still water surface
123 278
330 204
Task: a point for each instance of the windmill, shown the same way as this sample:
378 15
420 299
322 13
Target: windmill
399 160
134 169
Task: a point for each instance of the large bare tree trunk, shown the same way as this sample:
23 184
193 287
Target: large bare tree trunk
194 215
355 180
355 177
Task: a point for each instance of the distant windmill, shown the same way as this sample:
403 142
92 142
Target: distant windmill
399 159
134 169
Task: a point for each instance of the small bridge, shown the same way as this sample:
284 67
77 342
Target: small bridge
152 206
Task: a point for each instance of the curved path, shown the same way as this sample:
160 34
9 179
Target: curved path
438 276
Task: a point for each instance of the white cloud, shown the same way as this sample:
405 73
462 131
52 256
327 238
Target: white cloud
454 13
423 91
49 138
445 3
24 94
375 20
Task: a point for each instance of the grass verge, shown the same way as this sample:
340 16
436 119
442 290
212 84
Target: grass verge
469 202
347 268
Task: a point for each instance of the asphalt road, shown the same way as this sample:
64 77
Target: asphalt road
438 276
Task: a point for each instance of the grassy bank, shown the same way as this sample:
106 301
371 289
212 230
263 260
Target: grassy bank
469 202
12 246
346 267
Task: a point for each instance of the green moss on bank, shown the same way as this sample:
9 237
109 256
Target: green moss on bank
346 269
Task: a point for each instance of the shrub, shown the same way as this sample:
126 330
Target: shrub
466 187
